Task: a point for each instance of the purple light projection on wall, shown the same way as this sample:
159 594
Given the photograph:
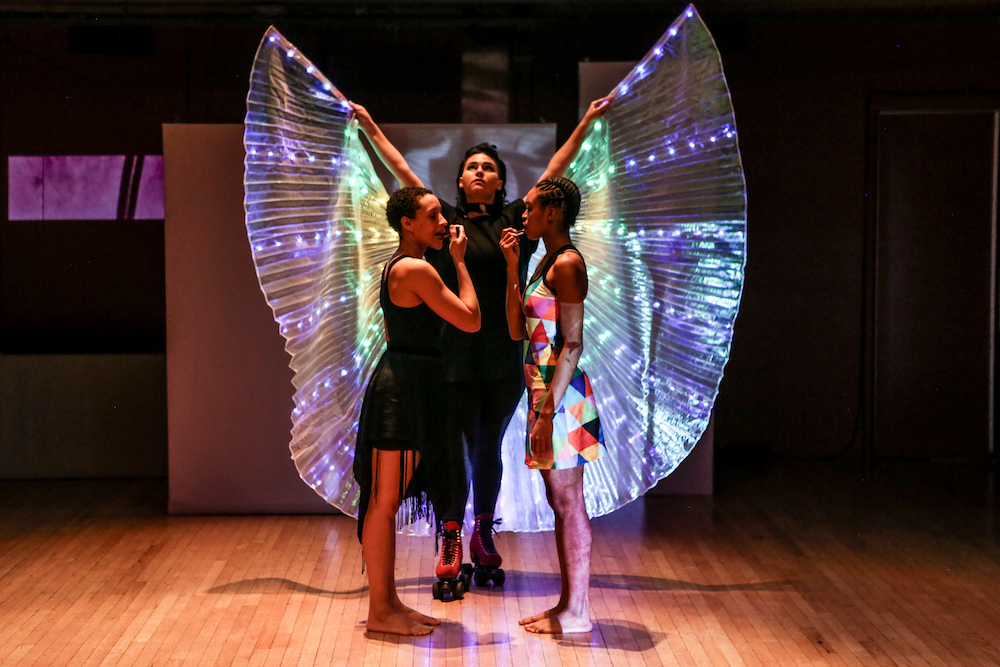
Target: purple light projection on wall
85 187
149 196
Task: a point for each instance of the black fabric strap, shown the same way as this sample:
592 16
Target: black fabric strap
550 260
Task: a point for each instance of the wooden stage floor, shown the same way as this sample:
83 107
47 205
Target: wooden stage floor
790 563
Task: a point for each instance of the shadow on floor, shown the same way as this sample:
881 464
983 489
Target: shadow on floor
449 635
622 635
525 584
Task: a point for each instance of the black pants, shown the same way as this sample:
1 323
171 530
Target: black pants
478 414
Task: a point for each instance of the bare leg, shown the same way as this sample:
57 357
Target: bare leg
378 543
397 604
560 551
573 524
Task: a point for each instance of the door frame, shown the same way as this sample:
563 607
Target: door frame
880 104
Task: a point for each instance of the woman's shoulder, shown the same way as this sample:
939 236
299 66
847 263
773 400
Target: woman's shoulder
407 264
567 267
411 274
569 261
568 273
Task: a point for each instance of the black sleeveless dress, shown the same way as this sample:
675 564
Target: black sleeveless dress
403 408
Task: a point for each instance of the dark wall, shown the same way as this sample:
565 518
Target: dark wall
98 286
800 87
801 91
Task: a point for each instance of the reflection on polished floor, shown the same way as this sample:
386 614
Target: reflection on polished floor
790 563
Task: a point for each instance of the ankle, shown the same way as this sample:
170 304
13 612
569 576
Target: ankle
578 608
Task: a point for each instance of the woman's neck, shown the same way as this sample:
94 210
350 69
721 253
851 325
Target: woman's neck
556 240
474 209
481 199
410 246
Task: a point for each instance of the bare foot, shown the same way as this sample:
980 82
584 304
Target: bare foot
564 623
398 624
558 609
415 615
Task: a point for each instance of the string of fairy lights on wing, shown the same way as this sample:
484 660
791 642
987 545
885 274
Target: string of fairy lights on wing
315 217
663 231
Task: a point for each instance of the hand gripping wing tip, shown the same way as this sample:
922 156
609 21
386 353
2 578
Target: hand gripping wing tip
664 209
317 244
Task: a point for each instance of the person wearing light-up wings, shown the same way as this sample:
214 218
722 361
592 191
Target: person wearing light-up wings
483 370
663 227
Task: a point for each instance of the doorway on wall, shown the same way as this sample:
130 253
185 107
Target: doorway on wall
931 279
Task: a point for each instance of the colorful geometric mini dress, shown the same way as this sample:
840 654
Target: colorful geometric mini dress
577 436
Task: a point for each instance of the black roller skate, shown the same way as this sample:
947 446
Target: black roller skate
452 580
486 561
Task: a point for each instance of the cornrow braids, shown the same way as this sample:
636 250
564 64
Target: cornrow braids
557 190
404 203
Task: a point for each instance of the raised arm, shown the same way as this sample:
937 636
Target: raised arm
567 153
387 153
511 246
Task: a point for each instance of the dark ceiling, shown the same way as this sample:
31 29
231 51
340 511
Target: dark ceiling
451 12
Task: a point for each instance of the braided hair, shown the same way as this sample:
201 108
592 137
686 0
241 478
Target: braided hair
562 192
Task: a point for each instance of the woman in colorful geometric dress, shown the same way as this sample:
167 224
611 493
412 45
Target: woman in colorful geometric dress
564 430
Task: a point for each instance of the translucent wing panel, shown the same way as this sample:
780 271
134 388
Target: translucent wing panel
316 223
663 231
662 228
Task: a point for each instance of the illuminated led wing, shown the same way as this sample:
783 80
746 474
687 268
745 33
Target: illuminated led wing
315 216
663 232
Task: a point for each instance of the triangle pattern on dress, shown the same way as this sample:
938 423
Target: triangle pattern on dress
579 383
538 332
552 311
593 427
582 438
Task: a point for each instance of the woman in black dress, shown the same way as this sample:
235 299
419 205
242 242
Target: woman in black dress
401 454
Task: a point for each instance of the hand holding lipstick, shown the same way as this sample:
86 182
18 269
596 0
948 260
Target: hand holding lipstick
459 241
511 246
